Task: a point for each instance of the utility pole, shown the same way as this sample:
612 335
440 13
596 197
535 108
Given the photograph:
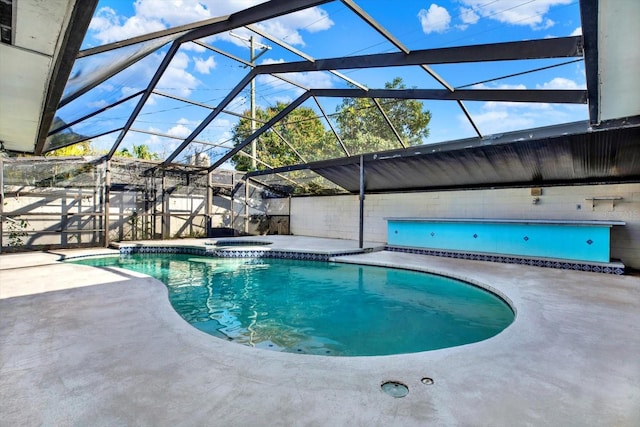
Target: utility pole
252 59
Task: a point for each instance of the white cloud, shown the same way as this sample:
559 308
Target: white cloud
204 66
154 99
288 27
218 131
312 80
468 16
498 105
108 27
577 32
497 117
560 83
274 82
180 131
434 20
172 13
548 23
499 86
143 72
154 15
97 104
312 20
516 12
226 7
494 121
128 90
185 121
193 47
152 140
104 18
176 79
269 61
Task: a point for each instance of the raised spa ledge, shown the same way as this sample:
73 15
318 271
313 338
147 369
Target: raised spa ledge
586 242
509 221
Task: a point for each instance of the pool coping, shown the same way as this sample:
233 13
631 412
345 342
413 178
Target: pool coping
334 257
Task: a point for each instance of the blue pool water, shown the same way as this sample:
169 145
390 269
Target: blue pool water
321 308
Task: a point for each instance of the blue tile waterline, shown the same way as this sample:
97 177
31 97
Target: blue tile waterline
611 268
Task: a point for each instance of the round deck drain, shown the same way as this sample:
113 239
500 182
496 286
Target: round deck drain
426 381
395 389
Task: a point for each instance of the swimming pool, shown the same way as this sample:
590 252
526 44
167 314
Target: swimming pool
321 308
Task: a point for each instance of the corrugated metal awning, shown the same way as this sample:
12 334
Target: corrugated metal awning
607 156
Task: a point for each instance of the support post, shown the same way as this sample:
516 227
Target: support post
1 201
246 205
64 220
208 207
289 226
154 206
165 208
107 195
361 225
231 207
95 209
79 221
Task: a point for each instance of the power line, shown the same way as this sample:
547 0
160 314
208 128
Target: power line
520 74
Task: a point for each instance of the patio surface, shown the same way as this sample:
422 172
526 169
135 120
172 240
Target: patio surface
84 346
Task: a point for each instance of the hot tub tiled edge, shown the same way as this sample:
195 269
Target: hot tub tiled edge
234 252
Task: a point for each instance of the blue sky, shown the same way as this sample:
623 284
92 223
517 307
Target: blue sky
331 30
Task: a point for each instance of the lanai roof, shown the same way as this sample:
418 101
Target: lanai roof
57 91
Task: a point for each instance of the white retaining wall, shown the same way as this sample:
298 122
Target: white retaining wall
338 217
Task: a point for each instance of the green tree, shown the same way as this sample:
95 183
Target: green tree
364 129
301 129
80 149
64 138
124 152
141 151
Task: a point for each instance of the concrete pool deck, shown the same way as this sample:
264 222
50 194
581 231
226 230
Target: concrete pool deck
94 346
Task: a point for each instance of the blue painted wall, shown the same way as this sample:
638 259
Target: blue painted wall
583 242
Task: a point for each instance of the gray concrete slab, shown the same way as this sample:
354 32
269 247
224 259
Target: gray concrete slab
103 347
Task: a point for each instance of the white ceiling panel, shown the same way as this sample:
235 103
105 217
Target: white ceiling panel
27 67
22 96
619 58
39 24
